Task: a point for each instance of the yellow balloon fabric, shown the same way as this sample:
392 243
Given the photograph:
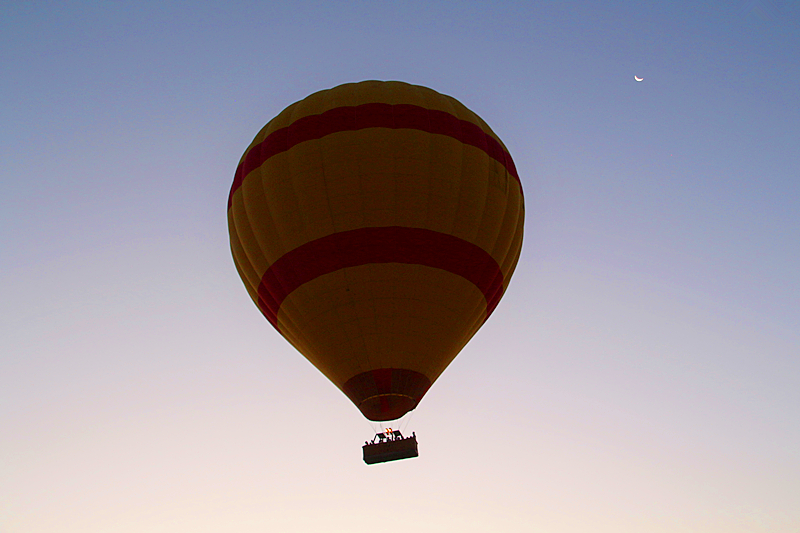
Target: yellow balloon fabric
376 225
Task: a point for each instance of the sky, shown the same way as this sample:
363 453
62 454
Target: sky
642 372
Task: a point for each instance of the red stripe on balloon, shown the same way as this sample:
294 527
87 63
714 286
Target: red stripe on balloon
374 115
415 246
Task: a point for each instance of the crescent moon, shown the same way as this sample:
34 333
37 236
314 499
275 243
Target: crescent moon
637 78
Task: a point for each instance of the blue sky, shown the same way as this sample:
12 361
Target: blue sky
641 373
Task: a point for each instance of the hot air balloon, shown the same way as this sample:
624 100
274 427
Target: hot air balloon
376 225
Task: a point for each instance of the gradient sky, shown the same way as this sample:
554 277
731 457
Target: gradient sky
642 373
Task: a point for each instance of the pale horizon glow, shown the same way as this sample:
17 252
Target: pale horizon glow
640 375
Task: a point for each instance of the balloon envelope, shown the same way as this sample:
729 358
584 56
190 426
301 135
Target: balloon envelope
376 225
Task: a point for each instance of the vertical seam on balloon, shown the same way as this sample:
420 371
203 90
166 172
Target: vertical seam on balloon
353 111
249 274
267 214
287 317
476 311
247 254
487 185
290 332
345 270
322 145
248 226
416 271
236 239
395 221
515 250
296 313
455 183
426 98
502 254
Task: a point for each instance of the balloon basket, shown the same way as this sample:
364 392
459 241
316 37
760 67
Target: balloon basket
393 447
